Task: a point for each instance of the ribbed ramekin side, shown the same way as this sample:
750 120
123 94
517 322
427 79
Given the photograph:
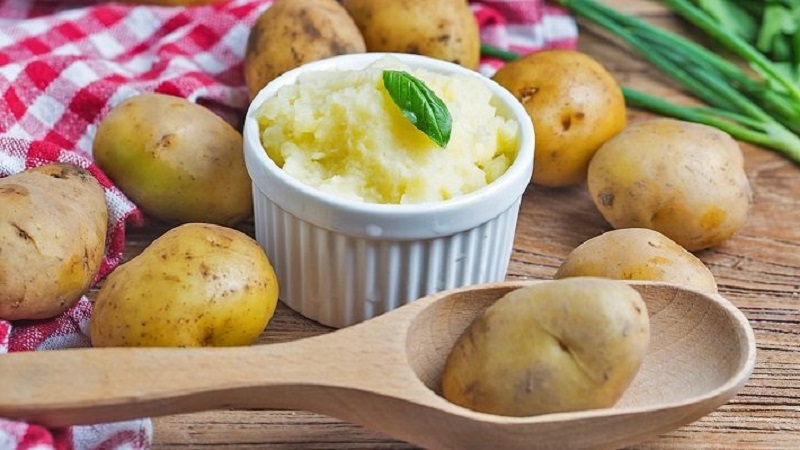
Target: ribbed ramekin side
340 280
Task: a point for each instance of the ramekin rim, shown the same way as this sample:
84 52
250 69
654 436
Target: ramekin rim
510 185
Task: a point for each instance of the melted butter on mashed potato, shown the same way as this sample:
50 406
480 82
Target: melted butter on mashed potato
341 132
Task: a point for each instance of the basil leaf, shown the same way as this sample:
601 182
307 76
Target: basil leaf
420 105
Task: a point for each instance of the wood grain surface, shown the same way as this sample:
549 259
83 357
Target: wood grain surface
758 269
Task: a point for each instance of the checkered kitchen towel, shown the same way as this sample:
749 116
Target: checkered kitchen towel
64 64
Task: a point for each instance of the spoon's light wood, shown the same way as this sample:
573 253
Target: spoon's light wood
385 373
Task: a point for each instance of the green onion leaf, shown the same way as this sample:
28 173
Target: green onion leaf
764 110
731 16
420 105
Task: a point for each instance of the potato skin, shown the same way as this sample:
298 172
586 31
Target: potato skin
293 32
53 224
442 29
556 346
683 179
196 285
637 254
575 104
176 160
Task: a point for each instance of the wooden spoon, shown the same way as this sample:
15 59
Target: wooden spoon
385 373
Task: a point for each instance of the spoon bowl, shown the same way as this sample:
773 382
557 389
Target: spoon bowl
385 374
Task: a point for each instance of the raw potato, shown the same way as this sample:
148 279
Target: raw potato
177 160
53 223
557 346
575 105
442 29
196 285
293 32
683 179
637 254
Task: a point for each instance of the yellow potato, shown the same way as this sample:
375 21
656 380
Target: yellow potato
178 161
442 29
196 285
293 32
637 254
683 179
575 105
53 223
557 346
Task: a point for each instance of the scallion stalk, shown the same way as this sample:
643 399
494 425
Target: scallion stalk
758 61
766 133
762 110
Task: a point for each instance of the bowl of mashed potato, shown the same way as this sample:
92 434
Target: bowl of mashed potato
359 209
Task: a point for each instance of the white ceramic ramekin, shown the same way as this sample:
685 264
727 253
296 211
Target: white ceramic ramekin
340 262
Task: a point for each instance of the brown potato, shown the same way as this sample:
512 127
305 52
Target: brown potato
637 254
442 29
683 179
556 346
53 223
197 285
178 161
293 32
575 104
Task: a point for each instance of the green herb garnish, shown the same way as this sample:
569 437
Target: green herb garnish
420 105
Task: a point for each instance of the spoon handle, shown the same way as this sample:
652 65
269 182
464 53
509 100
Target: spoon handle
80 386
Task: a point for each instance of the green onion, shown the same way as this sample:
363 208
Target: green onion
761 107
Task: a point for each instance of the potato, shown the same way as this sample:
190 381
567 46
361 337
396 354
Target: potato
683 179
442 29
53 224
196 285
575 105
556 346
178 161
637 254
293 32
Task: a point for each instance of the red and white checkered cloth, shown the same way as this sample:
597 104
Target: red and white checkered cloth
64 64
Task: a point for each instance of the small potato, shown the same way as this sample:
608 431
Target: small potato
556 346
637 254
575 105
293 32
196 285
176 160
683 179
442 29
53 223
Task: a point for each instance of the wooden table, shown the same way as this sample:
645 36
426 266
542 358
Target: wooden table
758 269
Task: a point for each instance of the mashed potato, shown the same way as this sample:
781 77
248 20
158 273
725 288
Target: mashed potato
342 133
